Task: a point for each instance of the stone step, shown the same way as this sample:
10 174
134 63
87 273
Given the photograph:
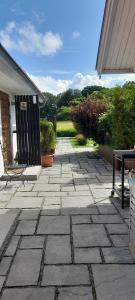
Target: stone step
7 222
31 173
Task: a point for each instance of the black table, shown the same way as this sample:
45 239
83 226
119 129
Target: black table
122 156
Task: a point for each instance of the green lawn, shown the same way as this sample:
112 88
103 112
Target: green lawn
65 129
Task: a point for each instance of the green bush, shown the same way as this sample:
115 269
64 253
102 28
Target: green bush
85 116
104 130
64 114
47 137
123 118
81 139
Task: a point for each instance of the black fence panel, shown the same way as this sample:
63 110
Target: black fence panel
27 129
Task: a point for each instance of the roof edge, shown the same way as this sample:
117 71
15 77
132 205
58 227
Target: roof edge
101 32
17 68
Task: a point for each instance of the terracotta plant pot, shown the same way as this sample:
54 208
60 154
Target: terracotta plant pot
47 160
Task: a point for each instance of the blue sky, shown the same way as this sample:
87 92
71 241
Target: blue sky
55 42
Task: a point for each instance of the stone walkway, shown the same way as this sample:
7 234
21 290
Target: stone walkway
70 242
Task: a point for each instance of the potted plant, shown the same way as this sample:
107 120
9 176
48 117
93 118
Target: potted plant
47 143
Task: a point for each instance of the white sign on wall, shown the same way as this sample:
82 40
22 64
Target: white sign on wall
23 105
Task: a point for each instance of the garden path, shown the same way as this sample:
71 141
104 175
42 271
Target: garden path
70 241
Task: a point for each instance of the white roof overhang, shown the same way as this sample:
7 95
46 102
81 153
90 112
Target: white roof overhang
116 51
13 80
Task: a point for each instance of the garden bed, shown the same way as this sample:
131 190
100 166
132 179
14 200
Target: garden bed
106 153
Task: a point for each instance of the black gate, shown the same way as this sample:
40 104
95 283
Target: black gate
27 130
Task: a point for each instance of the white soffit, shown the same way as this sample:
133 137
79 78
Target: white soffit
116 52
13 80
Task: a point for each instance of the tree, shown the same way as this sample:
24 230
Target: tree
129 85
65 98
88 90
49 109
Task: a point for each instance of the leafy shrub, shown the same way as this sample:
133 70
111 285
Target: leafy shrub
47 137
81 139
123 118
85 116
64 114
77 101
104 130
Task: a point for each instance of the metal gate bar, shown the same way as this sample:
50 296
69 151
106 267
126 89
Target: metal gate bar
27 129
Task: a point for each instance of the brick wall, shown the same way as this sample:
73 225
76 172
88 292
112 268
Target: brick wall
6 132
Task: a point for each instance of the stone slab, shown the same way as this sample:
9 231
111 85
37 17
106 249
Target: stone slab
29 293
25 268
5 198
61 180
7 220
79 211
67 188
113 282
117 228
3 204
46 187
12 246
120 240
75 293
25 202
29 214
58 250
83 219
84 201
4 265
26 227
51 210
117 255
101 193
69 275
52 200
106 209
81 187
104 219
54 225
32 242
87 255
52 194
25 188
26 194
80 193
2 279
90 235
43 179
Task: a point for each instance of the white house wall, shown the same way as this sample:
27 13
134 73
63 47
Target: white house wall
13 127
1 157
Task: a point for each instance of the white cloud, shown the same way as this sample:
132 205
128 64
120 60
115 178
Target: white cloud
49 84
78 81
75 35
24 37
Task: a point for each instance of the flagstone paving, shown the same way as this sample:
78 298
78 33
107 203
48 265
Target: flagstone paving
70 239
